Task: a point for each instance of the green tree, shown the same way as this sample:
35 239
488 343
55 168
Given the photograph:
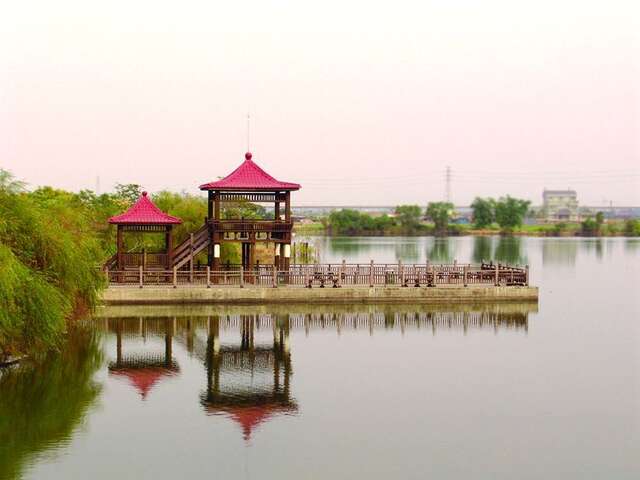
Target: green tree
632 227
409 217
440 213
48 256
590 227
510 212
127 193
483 212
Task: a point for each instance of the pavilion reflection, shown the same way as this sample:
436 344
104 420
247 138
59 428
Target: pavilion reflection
246 381
245 351
144 369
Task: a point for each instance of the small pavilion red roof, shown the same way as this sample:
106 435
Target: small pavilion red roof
144 211
143 379
249 176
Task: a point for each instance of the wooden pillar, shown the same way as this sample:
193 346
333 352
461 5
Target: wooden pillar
169 246
371 274
119 246
497 275
252 251
276 210
216 206
286 259
287 207
210 204
277 255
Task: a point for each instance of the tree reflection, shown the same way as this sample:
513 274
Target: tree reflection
509 250
42 403
440 250
407 251
482 247
559 251
346 247
632 245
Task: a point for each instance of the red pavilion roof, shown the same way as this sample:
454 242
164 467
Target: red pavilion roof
249 418
143 379
144 211
249 176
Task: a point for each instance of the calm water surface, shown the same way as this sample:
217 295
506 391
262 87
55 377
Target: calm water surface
547 390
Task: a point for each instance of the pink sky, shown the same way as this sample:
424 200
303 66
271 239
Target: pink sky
361 102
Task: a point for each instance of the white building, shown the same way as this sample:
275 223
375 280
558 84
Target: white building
560 205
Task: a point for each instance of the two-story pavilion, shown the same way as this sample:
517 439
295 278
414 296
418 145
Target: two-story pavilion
250 183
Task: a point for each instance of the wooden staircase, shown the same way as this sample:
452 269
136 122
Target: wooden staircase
111 263
193 245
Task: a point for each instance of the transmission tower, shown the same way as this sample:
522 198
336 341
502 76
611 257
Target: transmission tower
448 184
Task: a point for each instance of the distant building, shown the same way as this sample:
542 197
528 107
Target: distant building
560 205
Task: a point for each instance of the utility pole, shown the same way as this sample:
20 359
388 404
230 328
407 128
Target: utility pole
448 184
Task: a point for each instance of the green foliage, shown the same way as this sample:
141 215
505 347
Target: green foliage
244 209
440 213
510 212
348 221
483 212
632 227
590 227
48 254
191 209
409 217
127 193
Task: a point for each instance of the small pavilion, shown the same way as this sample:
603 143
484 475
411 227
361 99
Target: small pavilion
143 216
250 183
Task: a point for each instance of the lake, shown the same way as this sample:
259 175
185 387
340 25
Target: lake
546 390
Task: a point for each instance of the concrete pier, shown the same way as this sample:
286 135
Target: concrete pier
453 294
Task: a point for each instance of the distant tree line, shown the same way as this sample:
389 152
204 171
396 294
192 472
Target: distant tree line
407 220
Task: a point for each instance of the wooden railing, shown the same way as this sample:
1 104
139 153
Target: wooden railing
147 260
251 226
329 275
